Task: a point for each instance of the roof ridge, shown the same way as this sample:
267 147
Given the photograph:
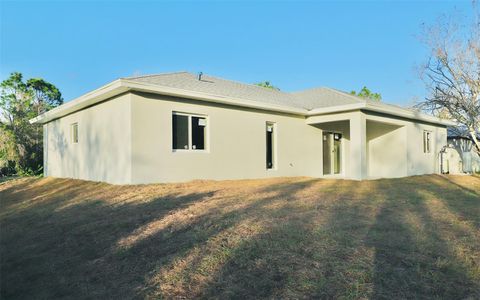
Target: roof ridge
250 84
277 93
360 99
211 76
309 89
339 92
366 100
393 105
152 75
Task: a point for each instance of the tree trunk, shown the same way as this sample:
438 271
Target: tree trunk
473 135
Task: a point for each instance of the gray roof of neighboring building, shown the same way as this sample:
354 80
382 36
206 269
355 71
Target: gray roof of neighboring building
460 132
308 99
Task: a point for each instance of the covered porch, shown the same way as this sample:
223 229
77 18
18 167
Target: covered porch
360 145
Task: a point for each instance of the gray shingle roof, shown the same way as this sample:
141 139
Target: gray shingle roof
460 131
325 97
309 99
184 84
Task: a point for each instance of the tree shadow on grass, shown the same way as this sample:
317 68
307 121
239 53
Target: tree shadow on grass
415 253
193 255
7 178
461 200
52 249
475 180
283 238
53 191
66 242
378 241
287 258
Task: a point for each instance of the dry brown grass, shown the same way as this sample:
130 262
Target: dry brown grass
416 237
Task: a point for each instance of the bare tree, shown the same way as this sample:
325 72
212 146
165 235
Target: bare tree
452 73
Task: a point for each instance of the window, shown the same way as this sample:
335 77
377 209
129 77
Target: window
198 133
74 133
188 132
270 145
427 141
180 132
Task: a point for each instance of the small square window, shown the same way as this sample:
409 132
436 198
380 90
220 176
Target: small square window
74 133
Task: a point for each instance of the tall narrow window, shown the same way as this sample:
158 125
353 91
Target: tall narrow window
180 131
188 132
427 141
198 133
270 145
74 132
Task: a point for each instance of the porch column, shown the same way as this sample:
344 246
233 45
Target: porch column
358 146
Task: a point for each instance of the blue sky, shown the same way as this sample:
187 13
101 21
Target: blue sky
79 46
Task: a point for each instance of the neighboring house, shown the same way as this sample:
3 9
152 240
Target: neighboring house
460 155
180 126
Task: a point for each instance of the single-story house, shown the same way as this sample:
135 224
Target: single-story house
460 156
181 126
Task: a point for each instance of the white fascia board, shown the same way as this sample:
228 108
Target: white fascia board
406 113
120 86
103 93
175 92
381 108
335 109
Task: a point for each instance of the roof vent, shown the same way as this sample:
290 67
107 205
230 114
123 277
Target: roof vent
200 76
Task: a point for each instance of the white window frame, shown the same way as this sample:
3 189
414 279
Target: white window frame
207 133
72 133
427 141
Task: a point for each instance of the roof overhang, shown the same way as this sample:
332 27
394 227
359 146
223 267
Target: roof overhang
381 108
121 86
103 93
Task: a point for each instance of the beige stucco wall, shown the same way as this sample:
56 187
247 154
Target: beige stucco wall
129 140
417 162
236 143
391 147
103 151
386 150
353 126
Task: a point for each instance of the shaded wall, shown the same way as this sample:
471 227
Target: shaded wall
417 162
465 159
103 151
342 127
386 150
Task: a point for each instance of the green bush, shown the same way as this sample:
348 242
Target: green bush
21 143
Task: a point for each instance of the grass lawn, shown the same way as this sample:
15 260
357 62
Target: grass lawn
416 237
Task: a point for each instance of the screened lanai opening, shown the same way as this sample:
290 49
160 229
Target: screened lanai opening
386 150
